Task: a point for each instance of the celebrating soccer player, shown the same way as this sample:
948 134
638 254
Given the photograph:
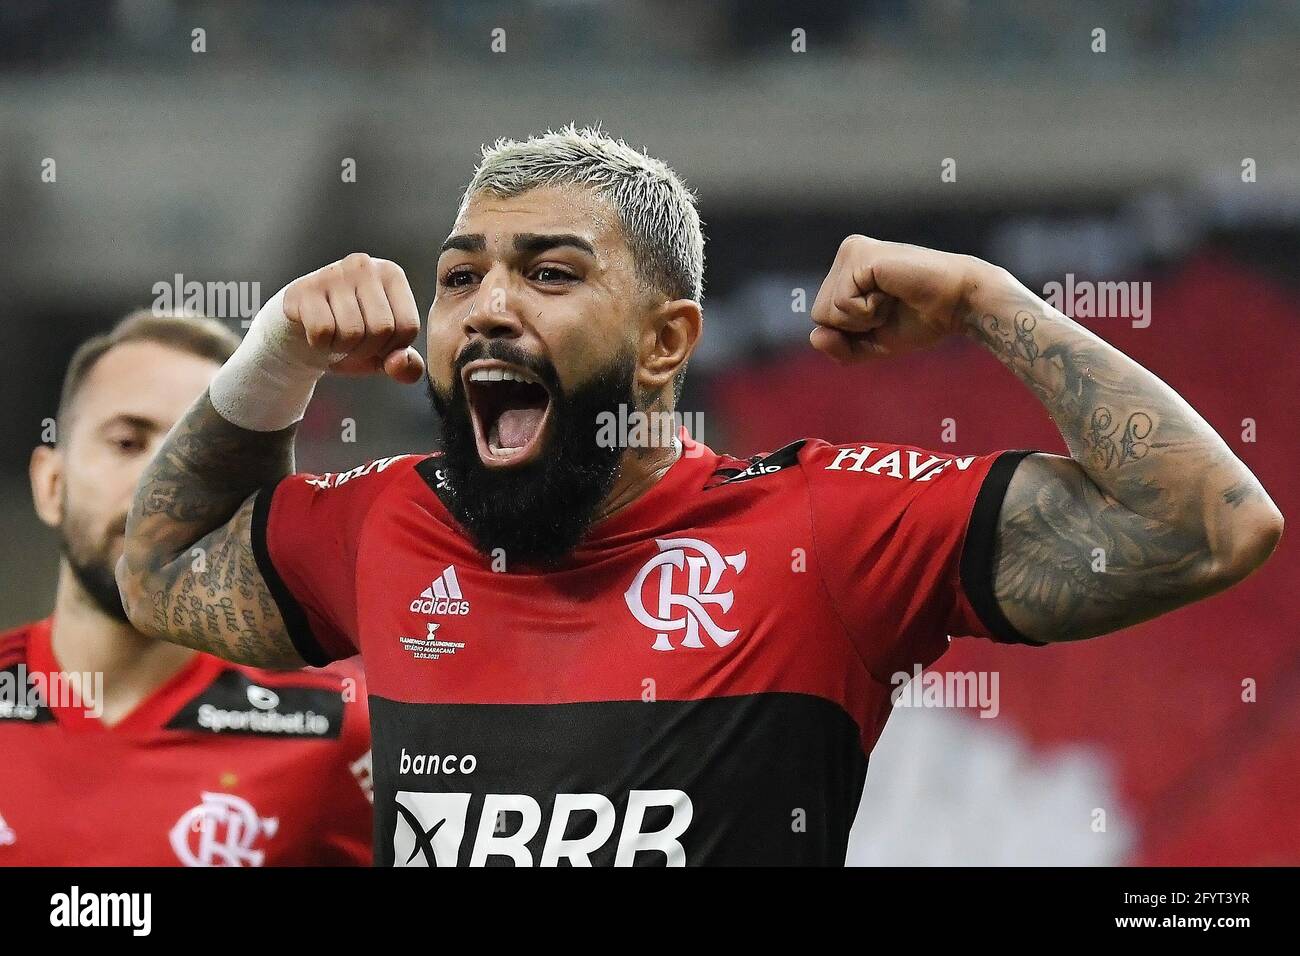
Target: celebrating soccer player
120 749
637 652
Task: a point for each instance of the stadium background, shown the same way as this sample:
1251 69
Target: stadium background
1126 165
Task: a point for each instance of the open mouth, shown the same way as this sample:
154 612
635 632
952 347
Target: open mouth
511 410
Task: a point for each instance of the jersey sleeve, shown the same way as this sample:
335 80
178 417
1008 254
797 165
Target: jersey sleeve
905 542
304 535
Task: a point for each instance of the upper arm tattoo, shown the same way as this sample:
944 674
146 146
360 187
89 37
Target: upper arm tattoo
189 573
1070 562
1140 519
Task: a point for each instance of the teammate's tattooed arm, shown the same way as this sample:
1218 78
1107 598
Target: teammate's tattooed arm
1151 510
188 573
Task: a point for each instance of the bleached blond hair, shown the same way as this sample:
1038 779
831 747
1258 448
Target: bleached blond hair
655 208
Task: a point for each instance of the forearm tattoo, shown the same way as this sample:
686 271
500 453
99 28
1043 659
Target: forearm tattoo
189 556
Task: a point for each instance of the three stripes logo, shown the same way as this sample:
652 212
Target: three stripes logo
443 596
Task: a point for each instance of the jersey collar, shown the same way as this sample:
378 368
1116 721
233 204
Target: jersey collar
149 715
657 507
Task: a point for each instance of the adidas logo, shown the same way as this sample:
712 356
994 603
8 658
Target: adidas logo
442 596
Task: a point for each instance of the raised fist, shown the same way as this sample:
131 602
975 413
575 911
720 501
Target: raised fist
358 313
886 298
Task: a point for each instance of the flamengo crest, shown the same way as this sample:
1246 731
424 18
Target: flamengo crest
689 573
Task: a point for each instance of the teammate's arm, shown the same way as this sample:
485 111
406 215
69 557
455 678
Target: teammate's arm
1151 511
188 573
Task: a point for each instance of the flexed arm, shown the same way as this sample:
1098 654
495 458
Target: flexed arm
1151 510
188 573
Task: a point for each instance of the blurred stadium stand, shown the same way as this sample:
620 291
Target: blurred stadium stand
1127 165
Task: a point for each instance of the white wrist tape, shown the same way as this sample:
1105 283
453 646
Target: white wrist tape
268 383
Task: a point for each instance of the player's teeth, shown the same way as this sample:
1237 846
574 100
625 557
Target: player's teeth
499 375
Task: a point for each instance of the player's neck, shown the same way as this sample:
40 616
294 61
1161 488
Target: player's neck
86 640
637 475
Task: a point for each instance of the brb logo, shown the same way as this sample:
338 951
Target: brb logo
221 831
430 828
689 573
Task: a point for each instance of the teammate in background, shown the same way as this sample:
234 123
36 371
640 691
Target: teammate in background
159 755
589 651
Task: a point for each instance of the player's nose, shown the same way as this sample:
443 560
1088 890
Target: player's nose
492 313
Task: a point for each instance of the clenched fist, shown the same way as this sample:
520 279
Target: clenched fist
886 298
360 312
354 316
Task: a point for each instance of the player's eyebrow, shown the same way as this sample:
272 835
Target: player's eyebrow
534 242
138 422
464 243
527 243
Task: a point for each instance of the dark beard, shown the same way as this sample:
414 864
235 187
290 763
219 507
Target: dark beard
97 578
536 513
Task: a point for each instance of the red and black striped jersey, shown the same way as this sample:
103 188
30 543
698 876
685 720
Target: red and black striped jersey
701 682
222 765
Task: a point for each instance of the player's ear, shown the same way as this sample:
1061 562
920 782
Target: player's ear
46 473
667 342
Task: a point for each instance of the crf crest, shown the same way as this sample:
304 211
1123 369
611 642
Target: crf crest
681 596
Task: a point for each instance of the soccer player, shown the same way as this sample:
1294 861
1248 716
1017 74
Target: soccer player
123 750
591 651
